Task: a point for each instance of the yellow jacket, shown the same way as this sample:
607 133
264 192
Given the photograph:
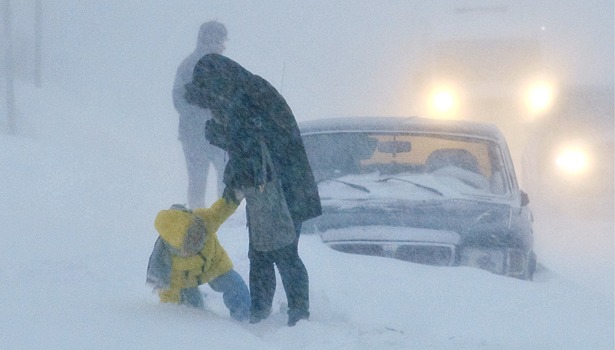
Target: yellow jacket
212 260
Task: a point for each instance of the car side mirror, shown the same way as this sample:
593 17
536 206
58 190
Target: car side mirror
525 199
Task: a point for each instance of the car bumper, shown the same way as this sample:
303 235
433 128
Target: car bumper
427 246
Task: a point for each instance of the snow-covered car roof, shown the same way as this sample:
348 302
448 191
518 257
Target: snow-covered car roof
483 130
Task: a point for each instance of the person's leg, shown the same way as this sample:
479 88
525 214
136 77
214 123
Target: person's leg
197 164
234 293
295 280
262 285
217 156
191 297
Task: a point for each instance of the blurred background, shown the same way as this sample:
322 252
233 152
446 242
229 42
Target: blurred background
543 71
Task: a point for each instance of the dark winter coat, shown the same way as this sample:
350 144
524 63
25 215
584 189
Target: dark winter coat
254 111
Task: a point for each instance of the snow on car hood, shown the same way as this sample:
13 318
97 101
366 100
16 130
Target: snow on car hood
374 189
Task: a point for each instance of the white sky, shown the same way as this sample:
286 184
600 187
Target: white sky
340 58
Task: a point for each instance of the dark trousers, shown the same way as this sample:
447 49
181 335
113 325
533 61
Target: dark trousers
292 272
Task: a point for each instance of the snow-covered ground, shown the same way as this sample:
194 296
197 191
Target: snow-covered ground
78 199
97 157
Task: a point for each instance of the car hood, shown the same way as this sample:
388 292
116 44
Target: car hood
454 215
419 201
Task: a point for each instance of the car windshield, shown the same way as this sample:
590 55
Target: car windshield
427 165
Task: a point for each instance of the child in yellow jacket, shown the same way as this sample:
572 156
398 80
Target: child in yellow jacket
188 254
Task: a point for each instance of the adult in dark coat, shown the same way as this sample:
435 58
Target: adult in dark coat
247 111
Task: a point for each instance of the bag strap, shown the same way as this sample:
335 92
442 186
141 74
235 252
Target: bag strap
266 160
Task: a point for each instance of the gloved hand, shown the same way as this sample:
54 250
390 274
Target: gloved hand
233 195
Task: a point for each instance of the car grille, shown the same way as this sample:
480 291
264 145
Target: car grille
363 249
428 254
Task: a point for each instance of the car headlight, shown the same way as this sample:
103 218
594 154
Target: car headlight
539 96
483 258
503 261
444 101
572 161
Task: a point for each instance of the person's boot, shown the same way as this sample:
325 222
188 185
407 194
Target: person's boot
295 316
257 316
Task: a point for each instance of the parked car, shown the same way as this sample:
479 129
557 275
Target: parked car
426 191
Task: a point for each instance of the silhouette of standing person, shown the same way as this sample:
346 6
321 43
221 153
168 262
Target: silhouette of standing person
198 152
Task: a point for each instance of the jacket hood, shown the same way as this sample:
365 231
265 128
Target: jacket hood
218 77
182 230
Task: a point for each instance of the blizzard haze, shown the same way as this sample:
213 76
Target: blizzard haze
362 52
95 157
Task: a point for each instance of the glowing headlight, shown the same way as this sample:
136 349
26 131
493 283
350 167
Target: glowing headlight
539 97
444 102
572 160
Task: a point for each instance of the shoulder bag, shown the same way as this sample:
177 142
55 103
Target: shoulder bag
269 222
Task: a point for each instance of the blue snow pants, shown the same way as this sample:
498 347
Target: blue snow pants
234 293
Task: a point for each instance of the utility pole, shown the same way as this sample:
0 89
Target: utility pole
8 69
38 30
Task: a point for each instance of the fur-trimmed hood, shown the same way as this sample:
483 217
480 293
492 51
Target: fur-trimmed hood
171 265
182 230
